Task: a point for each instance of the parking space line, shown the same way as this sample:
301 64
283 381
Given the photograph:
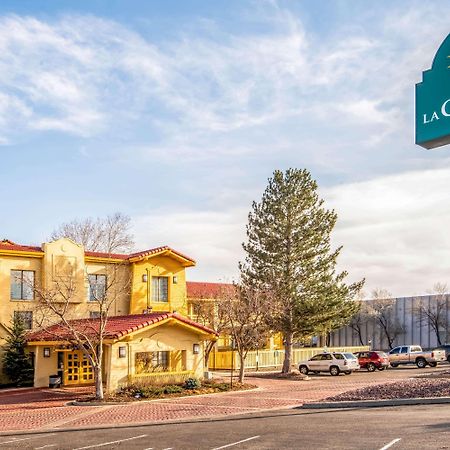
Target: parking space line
45 446
27 438
112 442
390 444
238 442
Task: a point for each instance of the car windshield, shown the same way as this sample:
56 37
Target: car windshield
382 354
349 356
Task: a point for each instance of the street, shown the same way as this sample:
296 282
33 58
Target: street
377 428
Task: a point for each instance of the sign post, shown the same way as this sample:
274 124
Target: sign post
433 101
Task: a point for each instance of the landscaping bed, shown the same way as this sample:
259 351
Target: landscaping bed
137 392
412 388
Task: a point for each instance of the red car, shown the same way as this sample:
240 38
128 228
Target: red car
373 360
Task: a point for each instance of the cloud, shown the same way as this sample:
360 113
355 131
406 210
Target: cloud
394 230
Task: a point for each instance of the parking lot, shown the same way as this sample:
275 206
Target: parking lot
47 409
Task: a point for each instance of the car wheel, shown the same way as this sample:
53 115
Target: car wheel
381 368
304 370
448 358
334 370
371 367
421 363
348 372
394 365
433 364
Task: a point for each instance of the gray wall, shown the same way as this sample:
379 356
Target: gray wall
405 311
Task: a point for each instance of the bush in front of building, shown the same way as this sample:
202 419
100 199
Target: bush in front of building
17 364
191 386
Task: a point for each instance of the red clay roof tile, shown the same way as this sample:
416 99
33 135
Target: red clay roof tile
116 327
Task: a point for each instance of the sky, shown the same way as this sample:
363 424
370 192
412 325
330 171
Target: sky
177 112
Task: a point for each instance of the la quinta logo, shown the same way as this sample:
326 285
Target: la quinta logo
444 111
433 101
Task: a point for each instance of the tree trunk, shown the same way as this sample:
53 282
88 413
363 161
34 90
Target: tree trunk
241 368
98 383
208 350
287 353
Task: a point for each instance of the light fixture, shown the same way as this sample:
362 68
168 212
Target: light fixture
46 352
144 278
122 352
175 279
196 349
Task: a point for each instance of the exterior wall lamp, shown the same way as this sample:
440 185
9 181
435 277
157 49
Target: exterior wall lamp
46 352
196 349
175 279
144 278
122 352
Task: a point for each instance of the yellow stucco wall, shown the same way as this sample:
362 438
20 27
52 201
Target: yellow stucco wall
44 367
159 266
162 338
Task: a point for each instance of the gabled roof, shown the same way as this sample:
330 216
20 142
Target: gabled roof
7 245
206 290
116 327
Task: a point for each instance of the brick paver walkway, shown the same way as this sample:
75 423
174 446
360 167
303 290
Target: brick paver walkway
44 409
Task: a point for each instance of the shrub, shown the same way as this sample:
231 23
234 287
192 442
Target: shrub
173 389
192 383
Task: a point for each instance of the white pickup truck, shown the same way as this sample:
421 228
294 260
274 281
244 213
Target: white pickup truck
413 354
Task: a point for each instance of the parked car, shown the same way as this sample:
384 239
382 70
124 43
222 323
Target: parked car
413 354
373 360
446 348
335 363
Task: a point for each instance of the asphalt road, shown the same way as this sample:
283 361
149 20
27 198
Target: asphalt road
412 427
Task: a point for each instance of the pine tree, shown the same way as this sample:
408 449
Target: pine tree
288 252
16 363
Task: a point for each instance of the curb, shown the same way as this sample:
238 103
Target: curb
377 403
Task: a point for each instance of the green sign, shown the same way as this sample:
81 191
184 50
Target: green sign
433 101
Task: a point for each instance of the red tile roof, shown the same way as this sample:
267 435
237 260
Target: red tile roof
116 327
204 290
6 244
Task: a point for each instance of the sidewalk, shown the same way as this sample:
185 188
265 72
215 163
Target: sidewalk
46 409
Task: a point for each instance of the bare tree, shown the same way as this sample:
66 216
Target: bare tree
434 312
56 311
246 311
110 234
212 313
382 312
361 318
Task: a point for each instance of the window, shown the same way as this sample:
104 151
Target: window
395 351
97 287
26 317
160 289
339 356
94 314
326 357
316 358
148 362
404 350
22 284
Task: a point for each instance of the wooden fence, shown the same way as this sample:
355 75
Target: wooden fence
222 360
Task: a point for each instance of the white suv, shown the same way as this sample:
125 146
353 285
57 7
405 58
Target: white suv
335 363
